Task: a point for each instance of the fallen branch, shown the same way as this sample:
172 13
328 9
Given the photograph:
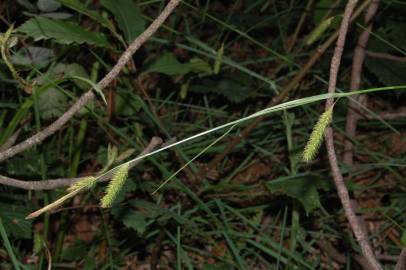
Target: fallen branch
88 96
342 191
64 182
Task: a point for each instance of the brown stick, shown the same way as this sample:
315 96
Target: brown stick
284 93
63 182
342 191
386 56
401 264
88 96
357 64
389 115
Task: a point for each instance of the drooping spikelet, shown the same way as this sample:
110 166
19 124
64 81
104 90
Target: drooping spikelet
317 135
85 183
115 185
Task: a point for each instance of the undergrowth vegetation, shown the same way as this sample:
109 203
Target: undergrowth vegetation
235 90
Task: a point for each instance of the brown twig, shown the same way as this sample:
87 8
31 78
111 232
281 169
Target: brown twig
388 115
386 56
342 191
285 91
63 182
357 64
88 96
401 264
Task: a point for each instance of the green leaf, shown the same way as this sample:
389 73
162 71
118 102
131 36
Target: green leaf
128 16
318 31
200 66
14 221
83 9
48 5
302 188
52 104
33 56
62 32
169 65
136 221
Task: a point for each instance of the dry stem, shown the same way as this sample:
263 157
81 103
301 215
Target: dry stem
342 191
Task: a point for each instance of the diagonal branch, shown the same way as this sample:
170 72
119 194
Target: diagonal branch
64 182
88 96
342 190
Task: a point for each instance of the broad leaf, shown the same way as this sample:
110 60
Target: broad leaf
304 189
62 32
128 17
33 56
169 65
83 9
52 104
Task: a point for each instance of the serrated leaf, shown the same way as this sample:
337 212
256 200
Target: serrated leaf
14 221
304 189
83 9
169 65
128 17
62 32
